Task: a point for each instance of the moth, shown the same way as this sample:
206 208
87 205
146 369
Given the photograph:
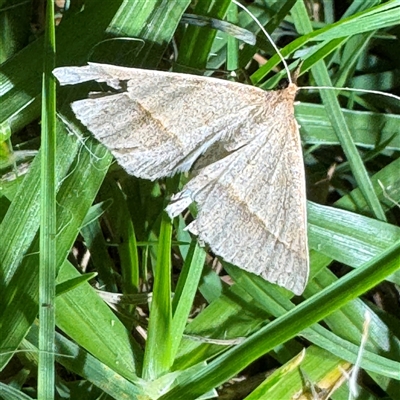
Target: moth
241 142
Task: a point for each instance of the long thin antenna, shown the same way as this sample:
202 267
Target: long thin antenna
352 90
268 36
254 18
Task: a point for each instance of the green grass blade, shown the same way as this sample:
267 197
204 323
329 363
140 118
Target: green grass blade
379 17
196 42
330 101
347 350
77 360
315 370
20 86
351 315
47 250
157 360
185 293
368 129
348 237
387 186
21 221
232 50
120 222
19 302
287 326
96 243
11 393
92 330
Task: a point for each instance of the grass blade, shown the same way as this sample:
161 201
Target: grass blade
157 360
47 251
321 75
287 326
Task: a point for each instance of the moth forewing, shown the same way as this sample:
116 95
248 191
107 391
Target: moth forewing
249 184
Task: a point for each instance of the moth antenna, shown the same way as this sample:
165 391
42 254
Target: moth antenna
268 37
289 75
352 90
